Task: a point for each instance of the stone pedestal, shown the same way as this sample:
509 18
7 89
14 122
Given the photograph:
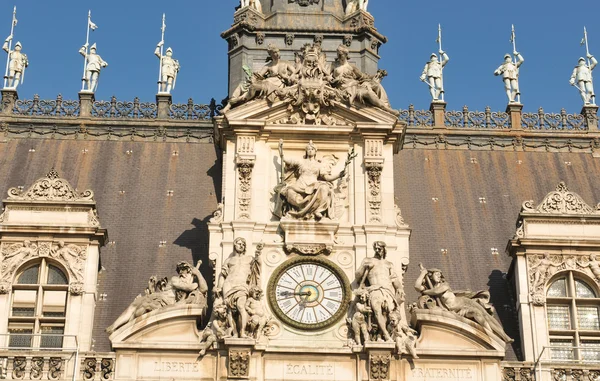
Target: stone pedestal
239 355
438 109
163 101
515 110
86 100
9 97
309 237
590 114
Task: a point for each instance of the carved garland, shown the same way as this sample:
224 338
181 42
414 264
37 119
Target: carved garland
379 366
542 267
72 257
374 195
245 167
239 363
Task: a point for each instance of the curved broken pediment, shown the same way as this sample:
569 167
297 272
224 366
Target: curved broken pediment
560 201
50 188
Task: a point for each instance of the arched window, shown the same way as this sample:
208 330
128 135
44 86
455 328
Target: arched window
38 306
572 306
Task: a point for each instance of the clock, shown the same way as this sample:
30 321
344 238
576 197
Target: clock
309 293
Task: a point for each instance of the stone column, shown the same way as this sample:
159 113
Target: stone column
163 101
590 114
86 100
515 110
9 98
438 109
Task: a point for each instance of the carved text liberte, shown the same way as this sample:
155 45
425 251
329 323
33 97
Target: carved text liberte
176 366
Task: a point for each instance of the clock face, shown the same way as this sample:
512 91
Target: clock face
309 293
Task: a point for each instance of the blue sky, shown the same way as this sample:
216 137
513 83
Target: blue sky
476 36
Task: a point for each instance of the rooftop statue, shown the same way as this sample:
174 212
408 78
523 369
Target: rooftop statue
17 63
582 75
379 279
94 63
436 293
239 274
306 188
433 73
510 72
311 82
354 5
187 287
254 4
169 68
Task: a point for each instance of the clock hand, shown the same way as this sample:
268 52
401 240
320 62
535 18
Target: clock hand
288 293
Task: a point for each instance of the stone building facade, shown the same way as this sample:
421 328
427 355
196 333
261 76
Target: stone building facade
303 230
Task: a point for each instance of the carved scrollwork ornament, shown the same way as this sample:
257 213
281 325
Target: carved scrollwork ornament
50 188
561 201
244 167
304 3
76 288
374 170
217 216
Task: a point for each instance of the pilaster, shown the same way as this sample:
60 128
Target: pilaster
590 114
438 109
374 166
9 98
245 159
515 111
163 101
86 100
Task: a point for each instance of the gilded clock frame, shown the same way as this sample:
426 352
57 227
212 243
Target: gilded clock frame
335 269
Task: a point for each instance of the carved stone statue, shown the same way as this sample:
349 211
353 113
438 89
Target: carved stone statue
404 336
169 68
361 319
256 312
542 271
254 4
471 305
238 275
311 84
594 266
71 255
266 83
510 75
378 276
16 65
15 255
216 330
354 5
432 74
187 287
306 190
358 86
582 79
94 64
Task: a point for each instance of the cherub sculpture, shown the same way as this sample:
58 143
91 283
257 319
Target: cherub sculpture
256 312
404 336
361 319
216 330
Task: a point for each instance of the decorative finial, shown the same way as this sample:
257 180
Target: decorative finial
52 175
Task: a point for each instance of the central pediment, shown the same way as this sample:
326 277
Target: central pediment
285 116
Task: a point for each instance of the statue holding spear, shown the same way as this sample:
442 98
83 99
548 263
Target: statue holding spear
169 66
92 62
582 74
432 74
16 62
510 71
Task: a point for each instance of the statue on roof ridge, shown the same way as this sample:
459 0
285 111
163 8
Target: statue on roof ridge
510 71
94 64
17 63
169 66
582 74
